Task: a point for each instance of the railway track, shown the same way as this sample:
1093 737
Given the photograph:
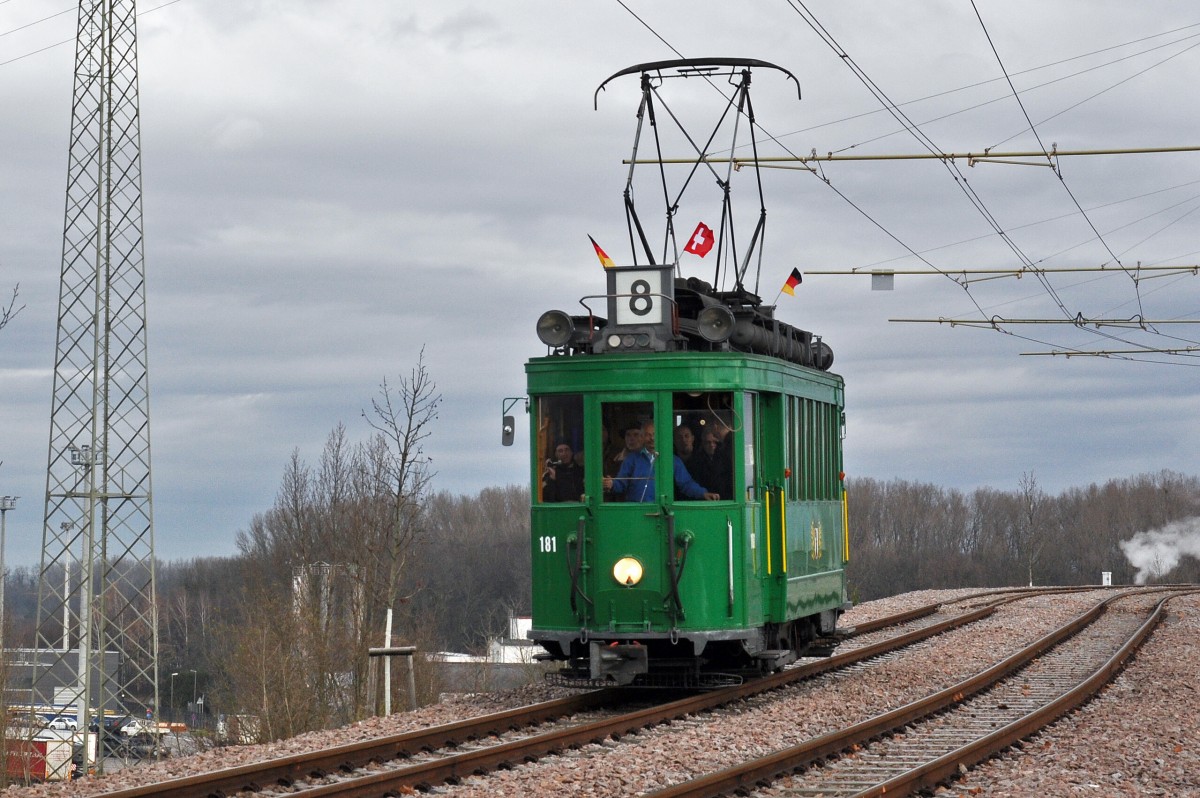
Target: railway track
452 752
931 741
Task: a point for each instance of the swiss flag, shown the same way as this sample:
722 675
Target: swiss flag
701 241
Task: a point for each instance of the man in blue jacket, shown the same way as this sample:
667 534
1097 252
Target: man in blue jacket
635 479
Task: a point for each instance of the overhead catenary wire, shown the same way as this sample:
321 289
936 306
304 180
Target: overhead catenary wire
1057 171
1079 321
1015 270
890 107
828 183
1037 87
1105 90
960 180
978 84
971 157
974 239
1180 351
913 129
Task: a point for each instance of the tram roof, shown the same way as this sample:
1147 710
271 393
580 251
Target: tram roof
658 371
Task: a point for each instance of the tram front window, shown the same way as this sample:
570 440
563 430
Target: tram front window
630 451
559 449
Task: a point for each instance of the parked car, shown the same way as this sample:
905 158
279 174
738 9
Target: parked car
112 723
63 724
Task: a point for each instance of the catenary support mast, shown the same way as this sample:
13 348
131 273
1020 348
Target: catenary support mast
98 633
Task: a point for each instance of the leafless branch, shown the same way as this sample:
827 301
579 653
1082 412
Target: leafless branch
403 419
11 311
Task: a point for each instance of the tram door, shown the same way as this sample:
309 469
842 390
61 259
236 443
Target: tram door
770 478
628 551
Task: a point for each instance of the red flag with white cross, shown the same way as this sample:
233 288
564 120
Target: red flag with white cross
701 241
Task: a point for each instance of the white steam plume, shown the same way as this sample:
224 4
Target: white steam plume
1157 552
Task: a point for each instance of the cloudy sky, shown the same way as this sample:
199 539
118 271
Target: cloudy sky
330 187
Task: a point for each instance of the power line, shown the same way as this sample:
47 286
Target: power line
1078 321
1033 128
37 22
971 157
72 39
1015 271
1031 70
1187 350
912 128
783 146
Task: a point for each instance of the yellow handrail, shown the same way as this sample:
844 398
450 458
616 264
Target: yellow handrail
845 527
767 493
783 527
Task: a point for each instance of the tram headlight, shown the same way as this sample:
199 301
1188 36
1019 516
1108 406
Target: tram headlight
555 328
715 324
627 571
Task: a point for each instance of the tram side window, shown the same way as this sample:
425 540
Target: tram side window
818 434
749 438
792 458
629 439
704 436
558 452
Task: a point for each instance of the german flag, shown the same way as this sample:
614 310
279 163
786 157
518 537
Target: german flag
794 280
605 261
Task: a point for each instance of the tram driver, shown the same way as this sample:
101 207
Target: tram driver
635 479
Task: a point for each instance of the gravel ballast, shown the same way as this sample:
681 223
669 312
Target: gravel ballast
1140 736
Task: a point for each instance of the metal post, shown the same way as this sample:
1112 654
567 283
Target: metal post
193 708
6 503
66 607
387 665
412 685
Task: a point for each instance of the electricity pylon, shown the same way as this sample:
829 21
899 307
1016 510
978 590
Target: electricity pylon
97 621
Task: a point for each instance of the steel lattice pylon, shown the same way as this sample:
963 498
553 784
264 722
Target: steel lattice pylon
97 574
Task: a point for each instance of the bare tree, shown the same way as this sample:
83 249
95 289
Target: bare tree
403 421
10 311
1031 536
401 471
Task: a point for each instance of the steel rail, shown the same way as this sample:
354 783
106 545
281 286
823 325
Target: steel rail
287 771
457 767
946 767
745 777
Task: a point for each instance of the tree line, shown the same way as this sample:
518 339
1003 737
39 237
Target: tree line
281 631
271 637
911 536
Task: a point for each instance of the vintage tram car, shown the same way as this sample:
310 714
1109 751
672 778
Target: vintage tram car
638 578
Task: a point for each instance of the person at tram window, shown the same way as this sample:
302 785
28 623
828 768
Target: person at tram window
562 480
685 443
711 465
635 480
721 427
615 448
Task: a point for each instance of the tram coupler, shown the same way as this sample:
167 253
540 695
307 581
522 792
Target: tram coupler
619 663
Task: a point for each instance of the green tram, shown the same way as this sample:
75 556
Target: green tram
643 575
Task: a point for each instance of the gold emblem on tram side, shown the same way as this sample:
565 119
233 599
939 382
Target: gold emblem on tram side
817 547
